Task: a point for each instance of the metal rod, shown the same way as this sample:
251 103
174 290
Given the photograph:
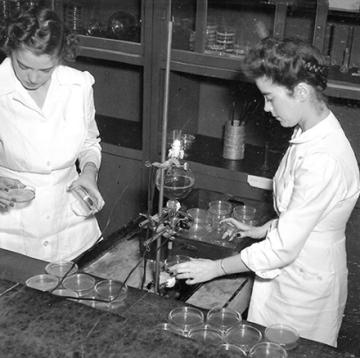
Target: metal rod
163 149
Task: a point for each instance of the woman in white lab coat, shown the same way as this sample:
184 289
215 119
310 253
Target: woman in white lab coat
300 266
47 127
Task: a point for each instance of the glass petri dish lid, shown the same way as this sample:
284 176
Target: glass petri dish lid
267 350
244 336
206 334
174 260
61 268
64 292
234 351
111 290
43 282
81 283
168 327
223 318
186 318
22 195
282 334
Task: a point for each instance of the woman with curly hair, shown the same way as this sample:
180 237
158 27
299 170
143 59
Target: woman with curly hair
47 127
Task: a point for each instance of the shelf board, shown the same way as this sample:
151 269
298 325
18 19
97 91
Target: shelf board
111 50
205 64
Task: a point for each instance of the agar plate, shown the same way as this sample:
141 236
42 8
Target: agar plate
111 290
168 327
80 283
22 195
43 282
61 268
206 334
64 292
282 334
223 318
243 336
267 350
186 317
234 351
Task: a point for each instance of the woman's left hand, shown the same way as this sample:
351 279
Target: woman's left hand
196 270
87 180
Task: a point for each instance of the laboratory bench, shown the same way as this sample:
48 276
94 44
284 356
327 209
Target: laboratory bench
38 324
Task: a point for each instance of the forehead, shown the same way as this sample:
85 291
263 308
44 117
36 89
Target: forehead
34 61
267 86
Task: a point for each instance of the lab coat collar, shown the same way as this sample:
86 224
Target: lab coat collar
320 130
9 83
7 77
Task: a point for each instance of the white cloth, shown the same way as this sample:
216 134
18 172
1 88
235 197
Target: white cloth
40 148
301 270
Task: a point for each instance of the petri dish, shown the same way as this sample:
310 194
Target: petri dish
174 260
64 292
81 283
244 336
22 195
282 334
198 215
234 351
223 318
111 290
206 334
61 268
244 213
267 350
168 327
186 318
43 282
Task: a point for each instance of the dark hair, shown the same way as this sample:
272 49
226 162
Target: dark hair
287 63
38 29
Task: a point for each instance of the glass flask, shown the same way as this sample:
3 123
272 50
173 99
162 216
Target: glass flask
178 183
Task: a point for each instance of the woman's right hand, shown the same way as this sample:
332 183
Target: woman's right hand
6 184
244 230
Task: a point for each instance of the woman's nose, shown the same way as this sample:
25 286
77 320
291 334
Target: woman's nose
267 106
33 76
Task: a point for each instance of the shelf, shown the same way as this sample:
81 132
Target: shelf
339 85
208 151
111 50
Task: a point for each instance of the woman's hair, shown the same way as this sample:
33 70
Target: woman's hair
287 63
38 29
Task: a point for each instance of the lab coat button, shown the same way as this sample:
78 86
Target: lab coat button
45 243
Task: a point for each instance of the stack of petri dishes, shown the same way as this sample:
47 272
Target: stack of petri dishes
198 227
218 210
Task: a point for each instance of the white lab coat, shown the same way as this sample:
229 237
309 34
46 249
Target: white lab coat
40 147
301 270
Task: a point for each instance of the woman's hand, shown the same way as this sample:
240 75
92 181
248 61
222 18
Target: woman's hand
88 180
244 230
197 270
6 184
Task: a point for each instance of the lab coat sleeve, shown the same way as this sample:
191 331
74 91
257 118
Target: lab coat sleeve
91 149
318 186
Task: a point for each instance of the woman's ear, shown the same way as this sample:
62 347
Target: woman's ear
301 91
